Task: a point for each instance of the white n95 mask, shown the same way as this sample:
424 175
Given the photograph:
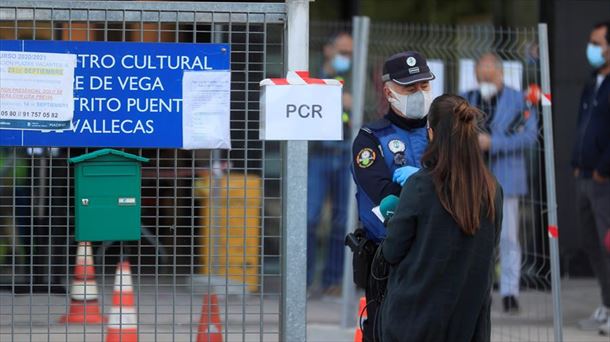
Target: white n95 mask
412 106
488 90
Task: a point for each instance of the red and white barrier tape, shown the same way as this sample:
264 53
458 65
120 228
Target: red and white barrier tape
553 232
299 78
546 99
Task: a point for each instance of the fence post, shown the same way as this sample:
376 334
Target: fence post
293 320
360 34
549 163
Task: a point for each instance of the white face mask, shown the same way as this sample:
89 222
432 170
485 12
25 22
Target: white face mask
488 90
412 106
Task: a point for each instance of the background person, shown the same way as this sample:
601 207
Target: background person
509 128
591 163
328 176
442 238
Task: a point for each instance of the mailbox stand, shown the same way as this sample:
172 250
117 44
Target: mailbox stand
107 196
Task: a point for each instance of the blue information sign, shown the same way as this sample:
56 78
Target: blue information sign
125 94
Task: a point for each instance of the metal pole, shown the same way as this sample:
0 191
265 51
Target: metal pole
549 164
360 33
43 254
215 181
293 317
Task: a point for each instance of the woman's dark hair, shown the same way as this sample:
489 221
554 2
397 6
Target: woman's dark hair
462 181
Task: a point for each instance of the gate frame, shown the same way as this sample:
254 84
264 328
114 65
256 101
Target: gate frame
293 307
294 14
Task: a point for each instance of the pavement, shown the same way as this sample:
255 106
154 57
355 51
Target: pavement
169 310
534 322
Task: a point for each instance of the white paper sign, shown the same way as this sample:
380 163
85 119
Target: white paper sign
377 211
206 111
513 75
301 112
438 84
36 90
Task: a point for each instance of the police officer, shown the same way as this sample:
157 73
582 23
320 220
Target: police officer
387 151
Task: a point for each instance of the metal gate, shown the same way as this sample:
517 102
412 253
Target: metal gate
210 255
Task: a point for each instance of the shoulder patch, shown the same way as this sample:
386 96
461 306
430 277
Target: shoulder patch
365 158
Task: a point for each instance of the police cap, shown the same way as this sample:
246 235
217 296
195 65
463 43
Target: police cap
406 68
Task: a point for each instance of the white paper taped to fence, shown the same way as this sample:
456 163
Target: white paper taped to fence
206 113
36 92
301 108
438 69
513 75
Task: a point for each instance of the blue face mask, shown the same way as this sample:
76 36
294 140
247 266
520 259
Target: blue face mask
595 55
341 63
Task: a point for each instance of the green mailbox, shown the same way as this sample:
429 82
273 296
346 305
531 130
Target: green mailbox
107 196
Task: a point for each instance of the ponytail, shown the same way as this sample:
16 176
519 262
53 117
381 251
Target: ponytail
463 183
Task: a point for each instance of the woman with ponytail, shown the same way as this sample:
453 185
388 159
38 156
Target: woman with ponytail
441 241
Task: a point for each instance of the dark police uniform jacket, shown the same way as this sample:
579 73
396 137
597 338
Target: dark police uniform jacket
378 150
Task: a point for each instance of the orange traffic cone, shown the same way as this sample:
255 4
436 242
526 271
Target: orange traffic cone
361 318
84 307
210 328
122 320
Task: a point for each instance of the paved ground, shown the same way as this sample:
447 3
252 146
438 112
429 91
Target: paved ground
171 312
534 323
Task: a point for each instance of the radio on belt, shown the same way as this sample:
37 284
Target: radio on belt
299 107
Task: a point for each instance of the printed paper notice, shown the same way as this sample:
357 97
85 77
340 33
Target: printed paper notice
377 212
206 99
36 91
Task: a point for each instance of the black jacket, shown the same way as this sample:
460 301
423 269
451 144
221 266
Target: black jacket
592 148
440 280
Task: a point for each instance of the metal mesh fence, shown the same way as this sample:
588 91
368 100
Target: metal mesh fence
513 122
210 219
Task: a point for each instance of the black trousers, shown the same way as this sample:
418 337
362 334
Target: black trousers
594 211
374 293
364 264
370 325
